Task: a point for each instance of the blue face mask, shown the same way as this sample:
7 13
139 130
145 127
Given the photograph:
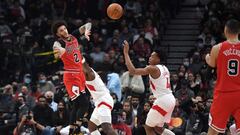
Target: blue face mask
27 80
42 81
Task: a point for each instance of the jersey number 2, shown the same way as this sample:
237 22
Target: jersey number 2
76 59
233 67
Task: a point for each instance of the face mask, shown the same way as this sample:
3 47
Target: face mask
200 45
65 99
186 64
42 81
61 109
27 80
49 100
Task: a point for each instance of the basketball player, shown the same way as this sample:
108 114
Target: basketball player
103 102
67 47
226 102
164 104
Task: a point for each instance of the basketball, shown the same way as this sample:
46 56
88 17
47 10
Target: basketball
114 11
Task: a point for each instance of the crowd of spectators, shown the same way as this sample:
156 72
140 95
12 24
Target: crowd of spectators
33 99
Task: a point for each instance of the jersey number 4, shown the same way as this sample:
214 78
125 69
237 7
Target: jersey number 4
233 67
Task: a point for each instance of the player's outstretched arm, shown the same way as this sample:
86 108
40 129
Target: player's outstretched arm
212 57
86 30
132 70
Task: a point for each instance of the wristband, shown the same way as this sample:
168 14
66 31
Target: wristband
83 60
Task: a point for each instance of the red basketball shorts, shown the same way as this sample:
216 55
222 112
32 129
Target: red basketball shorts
224 105
74 83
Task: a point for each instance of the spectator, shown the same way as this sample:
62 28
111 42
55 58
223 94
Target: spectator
196 64
21 105
128 116
6 99
114 84
61 116
150 29
175 83
97 55
184 94
142 48
59 8
42 112
131 83
117 105
28 125
44 84
119 126
30 101
193 85
27 80
49 98
136 106
151 99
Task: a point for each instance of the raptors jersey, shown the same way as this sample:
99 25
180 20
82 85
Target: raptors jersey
97 88
161 86
228 76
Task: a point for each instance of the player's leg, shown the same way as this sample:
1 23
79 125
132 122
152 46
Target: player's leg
93 123
108 129
212 131
149 130
73 110
160 113
163 131
219 113
104 112
82 104
93 128
236 116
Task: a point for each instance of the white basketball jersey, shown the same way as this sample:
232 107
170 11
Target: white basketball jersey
97 88
161 86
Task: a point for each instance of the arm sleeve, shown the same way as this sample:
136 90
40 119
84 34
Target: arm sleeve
76 33
56 44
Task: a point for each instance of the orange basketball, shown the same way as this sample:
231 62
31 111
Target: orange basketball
115 11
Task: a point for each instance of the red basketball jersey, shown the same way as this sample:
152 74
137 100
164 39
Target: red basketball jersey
72 58
228 70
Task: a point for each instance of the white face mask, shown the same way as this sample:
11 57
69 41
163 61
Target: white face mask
186 63
114 101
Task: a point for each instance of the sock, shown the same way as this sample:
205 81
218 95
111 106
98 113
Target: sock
167 132
96 132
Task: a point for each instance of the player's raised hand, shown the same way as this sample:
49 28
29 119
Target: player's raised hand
125 47
87 34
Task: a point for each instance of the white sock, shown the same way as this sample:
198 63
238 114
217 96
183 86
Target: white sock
167 132
96 132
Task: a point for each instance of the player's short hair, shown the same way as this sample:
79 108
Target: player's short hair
56 25
161 54
233 26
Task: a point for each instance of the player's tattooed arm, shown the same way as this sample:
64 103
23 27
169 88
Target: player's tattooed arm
86 30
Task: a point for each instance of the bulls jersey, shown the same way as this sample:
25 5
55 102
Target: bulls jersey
97 88
228 76
72 57
161 86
